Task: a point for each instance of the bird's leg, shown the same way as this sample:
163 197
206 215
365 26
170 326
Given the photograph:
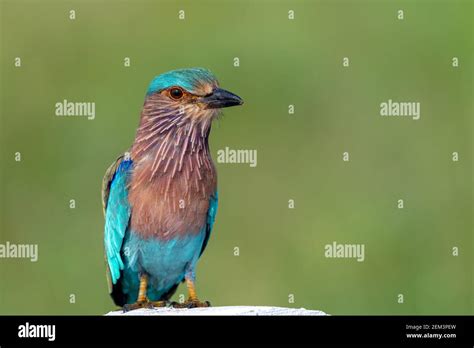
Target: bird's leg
142 300
193 300
142 290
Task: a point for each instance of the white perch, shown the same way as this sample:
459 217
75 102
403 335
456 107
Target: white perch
227 310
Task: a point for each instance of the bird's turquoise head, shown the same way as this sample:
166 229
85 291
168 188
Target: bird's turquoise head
193 92
193 80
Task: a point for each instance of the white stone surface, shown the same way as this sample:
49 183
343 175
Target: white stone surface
227 310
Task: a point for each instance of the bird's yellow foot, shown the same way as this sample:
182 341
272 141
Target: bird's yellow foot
157 304
143 304
191 303
142 300
139 304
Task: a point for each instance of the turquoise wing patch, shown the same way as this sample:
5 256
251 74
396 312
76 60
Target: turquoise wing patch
211 217
117 216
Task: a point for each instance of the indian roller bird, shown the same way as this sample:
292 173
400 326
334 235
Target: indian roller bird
160 197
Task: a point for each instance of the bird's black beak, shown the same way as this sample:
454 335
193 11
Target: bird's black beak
220 98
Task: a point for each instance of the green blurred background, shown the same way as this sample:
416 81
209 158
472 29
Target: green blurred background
407 251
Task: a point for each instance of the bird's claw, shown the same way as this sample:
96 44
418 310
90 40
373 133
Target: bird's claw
191 304
137 305
143 304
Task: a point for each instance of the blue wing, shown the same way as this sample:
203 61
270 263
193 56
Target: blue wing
211 217
117 213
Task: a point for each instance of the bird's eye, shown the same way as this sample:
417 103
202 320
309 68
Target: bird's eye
176 93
